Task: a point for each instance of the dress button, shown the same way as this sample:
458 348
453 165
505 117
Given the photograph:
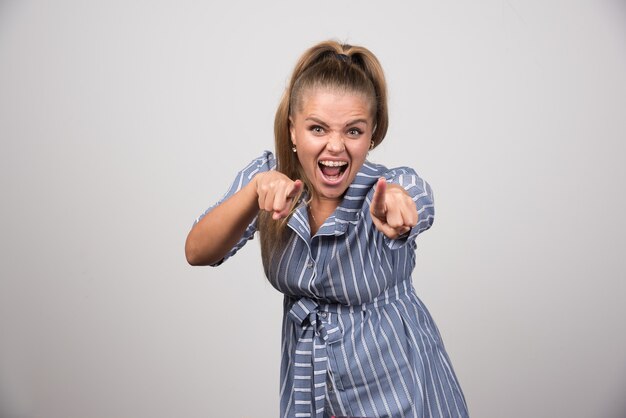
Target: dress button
309 265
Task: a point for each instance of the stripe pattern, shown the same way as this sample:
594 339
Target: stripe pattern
356 339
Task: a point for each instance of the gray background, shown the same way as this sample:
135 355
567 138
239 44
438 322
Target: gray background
120 121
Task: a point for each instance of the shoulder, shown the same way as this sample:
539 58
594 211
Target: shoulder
406 177
393 172
265 162
371 172
361 191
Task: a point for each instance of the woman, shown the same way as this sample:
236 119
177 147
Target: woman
338 239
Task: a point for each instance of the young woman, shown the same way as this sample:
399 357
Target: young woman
338 239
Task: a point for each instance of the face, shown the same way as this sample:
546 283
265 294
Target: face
332 132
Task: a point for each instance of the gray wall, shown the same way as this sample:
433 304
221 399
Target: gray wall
120 121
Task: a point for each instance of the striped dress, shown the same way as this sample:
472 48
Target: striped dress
356 339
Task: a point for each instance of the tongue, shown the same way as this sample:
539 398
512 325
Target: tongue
330 171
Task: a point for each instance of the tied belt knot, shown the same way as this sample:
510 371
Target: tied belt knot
306 313
311 357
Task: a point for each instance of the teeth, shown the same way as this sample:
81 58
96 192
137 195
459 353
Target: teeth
333 163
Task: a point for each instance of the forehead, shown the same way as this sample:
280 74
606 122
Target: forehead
333 104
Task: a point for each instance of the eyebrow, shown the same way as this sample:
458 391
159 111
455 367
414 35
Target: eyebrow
324 124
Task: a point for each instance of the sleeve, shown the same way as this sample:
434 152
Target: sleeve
422 194
265 162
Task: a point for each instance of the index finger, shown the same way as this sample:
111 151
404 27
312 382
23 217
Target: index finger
284 203
295 189
378 200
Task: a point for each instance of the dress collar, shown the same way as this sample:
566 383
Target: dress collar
348 211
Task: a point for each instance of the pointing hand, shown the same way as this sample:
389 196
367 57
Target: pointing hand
393 211
276 192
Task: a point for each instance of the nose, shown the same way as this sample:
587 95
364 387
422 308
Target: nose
335 143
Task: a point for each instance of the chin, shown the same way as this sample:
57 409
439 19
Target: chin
332 191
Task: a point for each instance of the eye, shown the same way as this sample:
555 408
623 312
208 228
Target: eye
354 132
316 129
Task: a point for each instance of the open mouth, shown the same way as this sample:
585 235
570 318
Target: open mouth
332 170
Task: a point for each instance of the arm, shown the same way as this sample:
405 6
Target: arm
213 236
219 230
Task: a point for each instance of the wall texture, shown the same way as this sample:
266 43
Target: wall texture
120 121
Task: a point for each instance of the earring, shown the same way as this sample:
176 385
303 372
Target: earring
294 148
371 144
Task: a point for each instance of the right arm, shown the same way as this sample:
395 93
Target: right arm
211 238
219 230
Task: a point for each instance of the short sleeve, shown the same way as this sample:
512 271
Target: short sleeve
422 194
265 162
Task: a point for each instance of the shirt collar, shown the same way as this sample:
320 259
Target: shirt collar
348 211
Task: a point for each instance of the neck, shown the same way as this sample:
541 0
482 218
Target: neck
320 209
324 205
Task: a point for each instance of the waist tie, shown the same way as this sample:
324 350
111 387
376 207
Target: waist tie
311 357
309 384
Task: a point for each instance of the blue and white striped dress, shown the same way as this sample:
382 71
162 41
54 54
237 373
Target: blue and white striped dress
356 340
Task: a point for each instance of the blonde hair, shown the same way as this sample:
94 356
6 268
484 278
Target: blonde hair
327 65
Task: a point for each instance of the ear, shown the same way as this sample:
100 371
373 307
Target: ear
292 131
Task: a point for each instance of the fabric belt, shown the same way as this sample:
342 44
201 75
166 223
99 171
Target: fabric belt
311 356
313 319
